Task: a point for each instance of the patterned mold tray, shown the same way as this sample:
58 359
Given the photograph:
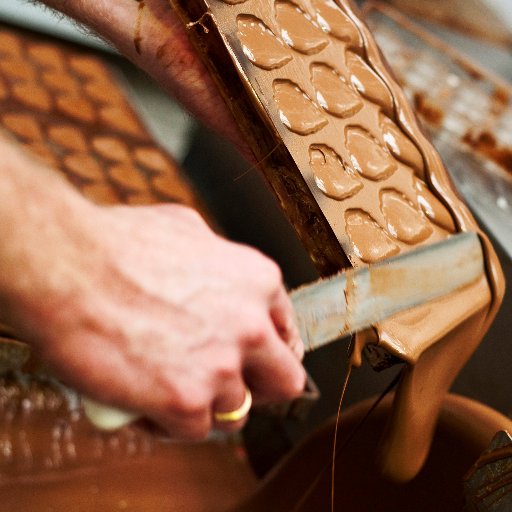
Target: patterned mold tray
67 107
336 116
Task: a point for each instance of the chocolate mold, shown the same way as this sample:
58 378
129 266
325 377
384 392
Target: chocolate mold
62 104
383 144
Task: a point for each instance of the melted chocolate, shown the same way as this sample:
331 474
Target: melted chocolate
332 177
371 243
332 92
435 339
486 144
260 44
302 482
401 146
433 208
428 110
404 220
406 198
297 112
298 30
51 458
368 156
367 81
63 105
336 23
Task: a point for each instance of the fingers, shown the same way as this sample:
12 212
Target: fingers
283 316
191 427
234 402
228 411
272 371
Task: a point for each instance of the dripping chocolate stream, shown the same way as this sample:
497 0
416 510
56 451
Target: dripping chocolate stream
338 414
440 183
339 450
354 360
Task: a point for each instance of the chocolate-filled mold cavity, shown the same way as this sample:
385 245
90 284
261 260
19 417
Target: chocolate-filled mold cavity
260 45
333 94
370 242
298 30
335 179
111 148
46 56
401 146
296 110
336 23
404 221
23 126
33 96
341 222
83 166
368 157
367 82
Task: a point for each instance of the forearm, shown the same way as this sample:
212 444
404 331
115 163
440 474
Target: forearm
42 225
114 21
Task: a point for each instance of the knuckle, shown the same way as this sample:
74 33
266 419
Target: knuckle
271 274
256 334
228 368
265 267
184 213
275 271
188 404
193 215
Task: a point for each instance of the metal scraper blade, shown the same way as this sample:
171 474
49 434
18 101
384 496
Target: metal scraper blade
356 299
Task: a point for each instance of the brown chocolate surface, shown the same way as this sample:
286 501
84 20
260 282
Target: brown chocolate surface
381 190
486 144
372 203
464 430
52 459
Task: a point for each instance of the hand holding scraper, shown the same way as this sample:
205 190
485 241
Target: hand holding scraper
350 301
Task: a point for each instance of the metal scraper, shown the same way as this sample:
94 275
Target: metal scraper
356 299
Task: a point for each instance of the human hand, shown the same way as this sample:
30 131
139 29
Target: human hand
172 321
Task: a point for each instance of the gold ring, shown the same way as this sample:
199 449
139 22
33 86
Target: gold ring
237 414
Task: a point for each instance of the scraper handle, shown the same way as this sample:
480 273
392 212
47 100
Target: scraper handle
106 417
